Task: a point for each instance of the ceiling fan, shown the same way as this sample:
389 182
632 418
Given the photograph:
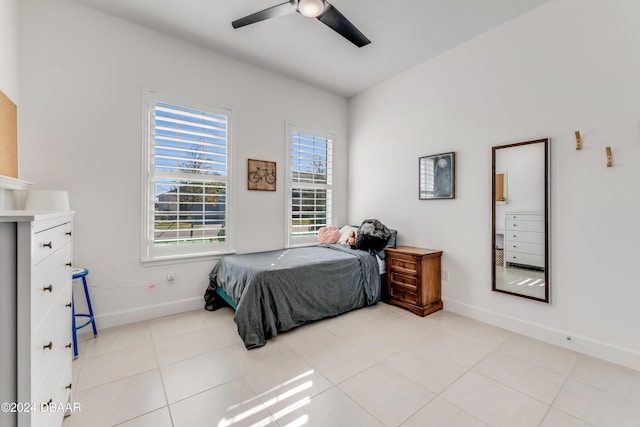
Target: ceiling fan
322 10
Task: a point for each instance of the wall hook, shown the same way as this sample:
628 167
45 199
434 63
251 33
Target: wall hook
578 141
609 157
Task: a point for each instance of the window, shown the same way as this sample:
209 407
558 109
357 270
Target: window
310 184
187 188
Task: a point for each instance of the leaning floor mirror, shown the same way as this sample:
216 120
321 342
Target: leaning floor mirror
520 219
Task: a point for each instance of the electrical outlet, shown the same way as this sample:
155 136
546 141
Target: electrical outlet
445 275
171 278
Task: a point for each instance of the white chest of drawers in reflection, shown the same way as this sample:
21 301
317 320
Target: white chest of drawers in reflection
40 244
524 239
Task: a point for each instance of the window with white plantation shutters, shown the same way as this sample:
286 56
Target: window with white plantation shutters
310 176
188 151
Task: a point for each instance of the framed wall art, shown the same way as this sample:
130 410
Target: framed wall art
262 175
437 176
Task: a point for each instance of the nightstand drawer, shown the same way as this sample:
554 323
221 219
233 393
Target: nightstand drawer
404 262
402 292
402 279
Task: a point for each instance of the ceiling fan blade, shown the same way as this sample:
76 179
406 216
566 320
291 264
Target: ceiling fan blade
263 15
335 20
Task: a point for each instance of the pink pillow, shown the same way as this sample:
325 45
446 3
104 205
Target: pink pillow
329 234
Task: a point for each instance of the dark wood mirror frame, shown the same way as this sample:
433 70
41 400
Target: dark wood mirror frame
495 258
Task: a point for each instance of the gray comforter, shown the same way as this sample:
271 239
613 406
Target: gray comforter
278 290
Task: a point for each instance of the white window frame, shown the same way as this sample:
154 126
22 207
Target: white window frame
291 239
149 251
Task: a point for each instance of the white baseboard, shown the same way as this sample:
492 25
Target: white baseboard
126 317
585 345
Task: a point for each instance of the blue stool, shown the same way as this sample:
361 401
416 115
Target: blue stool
81 273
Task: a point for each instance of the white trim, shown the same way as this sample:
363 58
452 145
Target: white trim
126 317
148 97
602 350
9 183
289 128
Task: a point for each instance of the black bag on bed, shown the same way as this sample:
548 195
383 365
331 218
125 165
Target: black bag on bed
372 235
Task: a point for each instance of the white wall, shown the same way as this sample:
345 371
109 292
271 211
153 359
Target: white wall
81 75
9 49
568 65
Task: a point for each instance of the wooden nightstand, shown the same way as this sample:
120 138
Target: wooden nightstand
413 279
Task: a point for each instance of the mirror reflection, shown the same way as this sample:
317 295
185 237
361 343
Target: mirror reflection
520 205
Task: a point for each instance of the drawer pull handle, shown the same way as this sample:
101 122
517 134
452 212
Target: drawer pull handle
68 264
68 233
48 346
68 305
68 387
68 345
48 245
49 402
48 288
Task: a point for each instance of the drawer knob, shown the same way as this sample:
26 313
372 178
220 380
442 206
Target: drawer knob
48 245
68 264
48 288
68 233
68 345
68 305
48 403
48 346
68 387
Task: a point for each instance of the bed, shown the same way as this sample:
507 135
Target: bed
276 291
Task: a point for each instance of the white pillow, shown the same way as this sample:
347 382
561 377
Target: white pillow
345 232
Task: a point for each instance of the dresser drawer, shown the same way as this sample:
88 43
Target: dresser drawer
57 391
524 247
48 241
50 279
523 258
53 332
404 262
524 237
513 225
525 217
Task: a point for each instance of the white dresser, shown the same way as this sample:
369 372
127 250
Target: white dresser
35 279
524 239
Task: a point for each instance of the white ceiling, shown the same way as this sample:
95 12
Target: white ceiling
403 34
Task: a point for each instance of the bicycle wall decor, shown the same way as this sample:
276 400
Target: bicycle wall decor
261 175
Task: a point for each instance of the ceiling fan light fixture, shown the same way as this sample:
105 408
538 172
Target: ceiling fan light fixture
311 8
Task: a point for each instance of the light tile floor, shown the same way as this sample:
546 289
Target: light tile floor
378 366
